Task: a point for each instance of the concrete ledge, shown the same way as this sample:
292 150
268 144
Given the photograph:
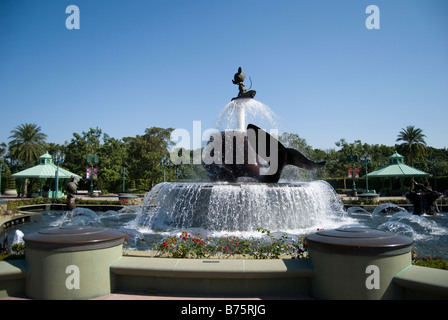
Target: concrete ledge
223 277
12 278
195 268
423 283
13 269
10 221
63 206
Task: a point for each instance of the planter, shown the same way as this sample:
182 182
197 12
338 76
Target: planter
10 192
371 197
357 263
71 262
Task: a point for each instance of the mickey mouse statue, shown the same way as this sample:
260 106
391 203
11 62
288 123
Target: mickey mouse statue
238 79
71 188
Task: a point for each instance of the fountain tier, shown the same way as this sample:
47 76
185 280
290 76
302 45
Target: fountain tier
242 206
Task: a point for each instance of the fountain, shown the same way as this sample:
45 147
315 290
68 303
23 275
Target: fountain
344 262
242 197
238 201
245 166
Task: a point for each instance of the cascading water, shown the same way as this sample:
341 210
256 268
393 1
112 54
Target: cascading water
239 207
238 113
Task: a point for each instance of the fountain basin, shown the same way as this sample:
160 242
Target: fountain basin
328 274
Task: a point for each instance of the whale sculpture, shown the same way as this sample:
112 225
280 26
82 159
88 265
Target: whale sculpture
253 154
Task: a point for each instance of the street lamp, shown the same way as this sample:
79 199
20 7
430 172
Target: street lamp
2 168
124 171
58 157
366 158
92 159
435 168
165 162
177 172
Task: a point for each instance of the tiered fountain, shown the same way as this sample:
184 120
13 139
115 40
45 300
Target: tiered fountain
245 192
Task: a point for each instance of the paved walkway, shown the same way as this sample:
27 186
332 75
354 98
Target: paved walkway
109 197
136 296
133 296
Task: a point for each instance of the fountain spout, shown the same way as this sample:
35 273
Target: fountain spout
241 118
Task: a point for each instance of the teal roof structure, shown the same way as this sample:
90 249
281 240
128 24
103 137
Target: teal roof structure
397 168
46 169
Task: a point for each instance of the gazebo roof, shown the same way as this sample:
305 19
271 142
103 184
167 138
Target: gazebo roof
46 169
397 168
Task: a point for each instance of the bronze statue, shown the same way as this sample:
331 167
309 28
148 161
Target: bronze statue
262 146
71 188
423 198
252 154
238 79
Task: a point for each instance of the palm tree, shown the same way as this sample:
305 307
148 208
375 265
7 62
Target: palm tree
413 142
27 144
3 148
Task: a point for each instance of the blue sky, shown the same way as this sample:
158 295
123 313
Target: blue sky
137 64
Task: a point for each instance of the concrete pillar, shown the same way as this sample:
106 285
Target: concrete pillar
71 262
357 263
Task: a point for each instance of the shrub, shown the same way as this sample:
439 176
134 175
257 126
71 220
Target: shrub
432 262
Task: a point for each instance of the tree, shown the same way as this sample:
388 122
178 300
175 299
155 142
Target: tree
77 150
27 145
413 143
144 154
3 148
112 157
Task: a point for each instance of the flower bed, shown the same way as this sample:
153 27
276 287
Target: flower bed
187 245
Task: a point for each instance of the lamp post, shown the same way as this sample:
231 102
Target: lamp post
366 158
435 168
177 172
92 159
124 172
165 162
2 168
353 158
58 157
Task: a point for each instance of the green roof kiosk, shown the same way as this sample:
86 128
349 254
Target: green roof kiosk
397 169
46 169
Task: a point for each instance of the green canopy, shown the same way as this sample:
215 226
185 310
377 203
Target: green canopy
397 169
46 169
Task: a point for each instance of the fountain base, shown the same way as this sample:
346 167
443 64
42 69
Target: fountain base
236 207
